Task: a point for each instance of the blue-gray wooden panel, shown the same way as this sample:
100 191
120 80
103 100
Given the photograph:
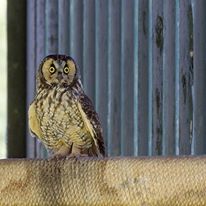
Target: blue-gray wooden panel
89 48
136 65
185 92
76 32
114 78
135 79
101 59
177 86
51 25
157 23
168 123
40 29
40 53
199 32
141 78
63 27
127 74
31 63
150 102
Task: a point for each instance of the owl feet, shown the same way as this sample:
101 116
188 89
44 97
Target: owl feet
77 156
70 156
58 157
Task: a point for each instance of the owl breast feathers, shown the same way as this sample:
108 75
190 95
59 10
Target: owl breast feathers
61 115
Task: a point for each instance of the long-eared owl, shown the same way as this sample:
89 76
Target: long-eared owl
61 115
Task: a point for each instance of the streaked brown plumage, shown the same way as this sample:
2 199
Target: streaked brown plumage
61 115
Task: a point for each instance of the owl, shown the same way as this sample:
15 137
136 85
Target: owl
61 115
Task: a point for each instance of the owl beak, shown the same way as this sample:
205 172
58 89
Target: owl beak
59 76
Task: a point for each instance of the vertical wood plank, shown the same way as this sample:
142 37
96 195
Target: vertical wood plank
199 30
31 63
51 27
127 74
114 76
150 67
76 33
40 31
89 48
169 79
157 23
185 92
101 59
177 69
40 54
141 77
136 80
63 26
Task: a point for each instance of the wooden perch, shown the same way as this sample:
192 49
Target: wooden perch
118 181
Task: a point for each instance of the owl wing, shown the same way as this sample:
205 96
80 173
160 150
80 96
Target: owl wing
93 118
34 125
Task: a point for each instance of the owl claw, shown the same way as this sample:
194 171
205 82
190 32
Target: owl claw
77 156
58 157
68 157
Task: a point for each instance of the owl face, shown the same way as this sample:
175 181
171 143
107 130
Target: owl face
58 70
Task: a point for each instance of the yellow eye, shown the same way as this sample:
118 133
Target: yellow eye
66 70
52 70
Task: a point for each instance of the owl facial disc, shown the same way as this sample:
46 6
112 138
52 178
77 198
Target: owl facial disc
58 70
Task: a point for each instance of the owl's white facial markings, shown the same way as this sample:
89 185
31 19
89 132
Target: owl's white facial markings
64 71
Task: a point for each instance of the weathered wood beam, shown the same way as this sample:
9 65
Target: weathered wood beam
118 181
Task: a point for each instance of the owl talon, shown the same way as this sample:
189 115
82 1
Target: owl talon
77 156
58 157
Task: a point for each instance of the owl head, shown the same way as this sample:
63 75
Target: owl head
57 70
